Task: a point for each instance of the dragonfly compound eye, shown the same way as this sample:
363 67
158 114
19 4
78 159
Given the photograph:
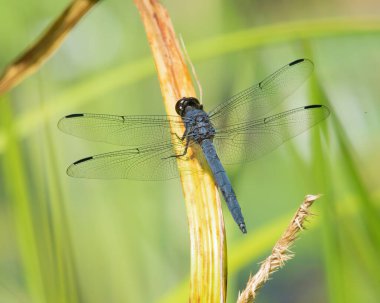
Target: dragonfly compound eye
185 102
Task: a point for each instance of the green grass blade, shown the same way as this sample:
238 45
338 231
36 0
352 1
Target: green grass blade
16 189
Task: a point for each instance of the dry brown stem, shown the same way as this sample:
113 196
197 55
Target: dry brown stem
280 253
29 61
208 275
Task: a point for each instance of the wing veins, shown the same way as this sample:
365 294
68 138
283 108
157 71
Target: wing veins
259 99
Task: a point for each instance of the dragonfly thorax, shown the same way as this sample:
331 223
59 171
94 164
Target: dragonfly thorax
198 125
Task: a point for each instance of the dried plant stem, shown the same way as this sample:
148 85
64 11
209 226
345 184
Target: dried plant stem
207 236
280 252
29 61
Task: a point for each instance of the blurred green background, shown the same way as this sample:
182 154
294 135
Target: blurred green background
71 240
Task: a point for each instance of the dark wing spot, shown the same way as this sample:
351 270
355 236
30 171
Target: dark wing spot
296 62
82 160
74 115
312 106
260 84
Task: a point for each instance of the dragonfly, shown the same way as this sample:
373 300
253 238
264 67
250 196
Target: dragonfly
238 130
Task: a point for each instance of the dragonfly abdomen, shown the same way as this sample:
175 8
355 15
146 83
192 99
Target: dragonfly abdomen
223 182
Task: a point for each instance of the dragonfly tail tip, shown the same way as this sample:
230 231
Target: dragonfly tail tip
243 228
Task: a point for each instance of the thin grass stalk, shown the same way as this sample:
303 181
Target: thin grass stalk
360 242
50 41
17 191
280 252
367 205
41 202
208 275
321 170
62 238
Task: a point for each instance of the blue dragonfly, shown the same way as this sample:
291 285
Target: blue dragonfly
238 130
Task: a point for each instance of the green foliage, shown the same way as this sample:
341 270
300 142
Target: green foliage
68 241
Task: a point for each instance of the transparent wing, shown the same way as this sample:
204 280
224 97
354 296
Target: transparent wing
248 141
259 99
150 163
121 130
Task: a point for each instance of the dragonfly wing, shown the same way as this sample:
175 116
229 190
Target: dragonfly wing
250 140
259 99
122 130
149 163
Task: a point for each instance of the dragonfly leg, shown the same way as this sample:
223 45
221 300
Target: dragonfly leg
183 136
184 152
178 137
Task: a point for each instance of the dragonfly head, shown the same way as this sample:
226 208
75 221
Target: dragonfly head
184 102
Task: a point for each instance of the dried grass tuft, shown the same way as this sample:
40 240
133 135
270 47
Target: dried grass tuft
280 252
